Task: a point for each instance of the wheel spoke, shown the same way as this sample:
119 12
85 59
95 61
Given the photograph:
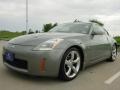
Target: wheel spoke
114 55
77 60
69 71
74 69
67 63
72 55
114 51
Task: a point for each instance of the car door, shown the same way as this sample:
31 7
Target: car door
98 44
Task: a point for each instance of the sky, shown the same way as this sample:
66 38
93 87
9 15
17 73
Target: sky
13 16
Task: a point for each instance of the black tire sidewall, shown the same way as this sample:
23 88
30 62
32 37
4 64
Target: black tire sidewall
62 74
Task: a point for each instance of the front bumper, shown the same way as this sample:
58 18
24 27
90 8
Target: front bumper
32 58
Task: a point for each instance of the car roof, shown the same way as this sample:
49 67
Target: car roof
80 22
92 23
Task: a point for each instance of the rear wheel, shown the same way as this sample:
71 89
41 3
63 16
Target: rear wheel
70 64
113 53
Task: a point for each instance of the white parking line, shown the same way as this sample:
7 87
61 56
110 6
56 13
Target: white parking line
111 79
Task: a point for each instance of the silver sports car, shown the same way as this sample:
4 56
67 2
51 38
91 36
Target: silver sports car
62 52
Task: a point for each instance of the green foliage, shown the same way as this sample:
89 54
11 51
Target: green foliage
30 31
76 20
54 25
36 31
96 21
47 27
23 32
7 35
117 38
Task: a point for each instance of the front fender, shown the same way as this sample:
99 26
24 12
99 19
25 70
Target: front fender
66 44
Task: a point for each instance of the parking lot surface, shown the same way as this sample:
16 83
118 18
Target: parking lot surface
101 76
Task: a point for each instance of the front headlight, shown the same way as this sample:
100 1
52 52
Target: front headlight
48 45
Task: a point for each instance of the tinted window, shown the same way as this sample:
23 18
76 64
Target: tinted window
72 28
97 27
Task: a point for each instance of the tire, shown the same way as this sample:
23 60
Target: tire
70 64
113 53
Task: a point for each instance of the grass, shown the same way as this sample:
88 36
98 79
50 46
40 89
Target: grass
7 35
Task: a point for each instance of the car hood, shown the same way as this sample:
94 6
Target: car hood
35 39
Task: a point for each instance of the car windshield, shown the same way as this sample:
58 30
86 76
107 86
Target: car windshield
72 28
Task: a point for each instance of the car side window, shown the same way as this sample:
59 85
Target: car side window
81 29
99 28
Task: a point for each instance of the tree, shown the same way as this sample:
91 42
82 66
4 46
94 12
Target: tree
54 25
47 27
23 32
96 21
76 20
36 31
30 31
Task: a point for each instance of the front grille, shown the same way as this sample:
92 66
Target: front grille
17 63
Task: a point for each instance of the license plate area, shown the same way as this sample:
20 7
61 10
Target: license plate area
9 56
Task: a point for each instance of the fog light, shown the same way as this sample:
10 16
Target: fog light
42 64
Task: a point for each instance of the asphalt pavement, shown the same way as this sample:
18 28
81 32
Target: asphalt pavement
101 76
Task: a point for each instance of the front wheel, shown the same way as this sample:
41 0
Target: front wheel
70 64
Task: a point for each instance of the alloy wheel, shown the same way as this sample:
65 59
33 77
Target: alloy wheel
114 52
72 64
